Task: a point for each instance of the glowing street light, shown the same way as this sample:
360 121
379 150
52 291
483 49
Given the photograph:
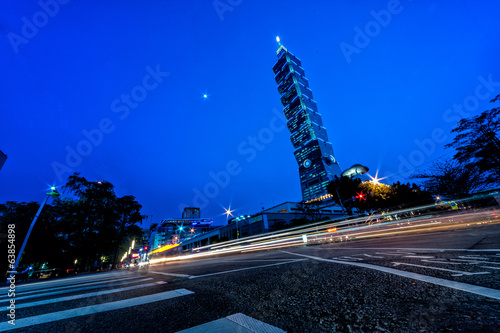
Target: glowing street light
228 212
13 268
361 196
375 180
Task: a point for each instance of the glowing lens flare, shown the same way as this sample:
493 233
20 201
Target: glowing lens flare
375 180
228 212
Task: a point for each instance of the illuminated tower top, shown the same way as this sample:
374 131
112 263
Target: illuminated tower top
312 149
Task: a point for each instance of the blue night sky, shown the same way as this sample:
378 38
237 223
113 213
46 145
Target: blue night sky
131 76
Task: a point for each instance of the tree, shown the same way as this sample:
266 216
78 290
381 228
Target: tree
93 217
45 244
90 223
477 142
343 189
374 196
452 178
311 211
129 214
99 221
409 195
369 195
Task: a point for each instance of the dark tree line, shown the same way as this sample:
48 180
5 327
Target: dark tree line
372 196
476 162
87 224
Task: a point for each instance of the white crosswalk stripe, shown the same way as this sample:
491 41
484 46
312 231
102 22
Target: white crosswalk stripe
68 287
37 295
104 285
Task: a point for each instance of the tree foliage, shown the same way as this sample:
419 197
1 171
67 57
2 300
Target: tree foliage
88 223
311 211
343 190
453 178
369 196
477 142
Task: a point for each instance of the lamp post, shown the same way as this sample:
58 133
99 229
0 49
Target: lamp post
54 193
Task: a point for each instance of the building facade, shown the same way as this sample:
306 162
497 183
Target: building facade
191 213
275 218
312 149
172 231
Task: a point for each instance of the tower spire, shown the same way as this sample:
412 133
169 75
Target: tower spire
312 149
280 46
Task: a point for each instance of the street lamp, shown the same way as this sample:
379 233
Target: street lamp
52 193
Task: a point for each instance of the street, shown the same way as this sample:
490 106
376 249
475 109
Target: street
439 280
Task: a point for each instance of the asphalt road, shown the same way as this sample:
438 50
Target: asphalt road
438 281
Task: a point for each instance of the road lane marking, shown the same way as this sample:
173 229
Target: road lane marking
23 293
459 273
465 261
348 258
234 323
170 274
422 257
483 291
87 310
490 267
442 262
70 280
253 324
246 268
370 256
407 248
389 254
473 257
93 294
245 260
78 289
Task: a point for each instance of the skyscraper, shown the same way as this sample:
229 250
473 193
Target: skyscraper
312 150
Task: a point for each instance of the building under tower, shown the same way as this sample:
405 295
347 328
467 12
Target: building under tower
312 150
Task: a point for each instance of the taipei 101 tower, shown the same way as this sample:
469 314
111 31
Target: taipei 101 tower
312 150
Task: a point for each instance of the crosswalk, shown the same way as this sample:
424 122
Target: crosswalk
486 263
37 298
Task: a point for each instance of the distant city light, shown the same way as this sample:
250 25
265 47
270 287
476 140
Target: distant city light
228 212
375 180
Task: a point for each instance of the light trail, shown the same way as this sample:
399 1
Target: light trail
357 228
